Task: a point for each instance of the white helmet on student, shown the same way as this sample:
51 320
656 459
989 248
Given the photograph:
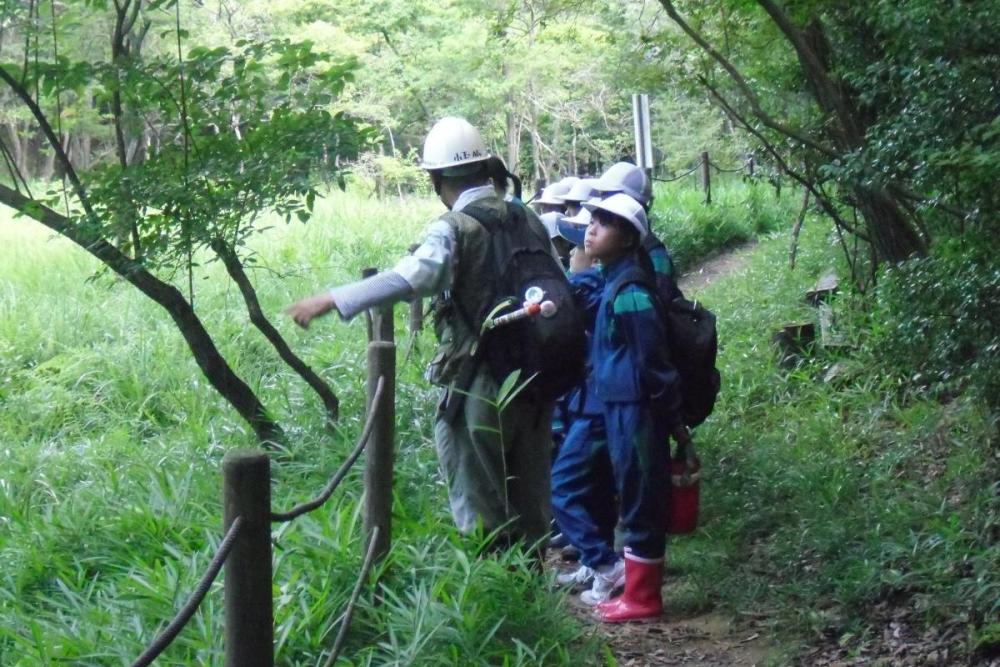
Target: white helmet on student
581 190
551 194
451 144
625 207
627 178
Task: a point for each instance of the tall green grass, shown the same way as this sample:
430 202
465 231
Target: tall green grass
821 498
110 501
739 212
830 490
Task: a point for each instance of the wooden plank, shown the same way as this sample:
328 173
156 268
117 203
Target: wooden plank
827 284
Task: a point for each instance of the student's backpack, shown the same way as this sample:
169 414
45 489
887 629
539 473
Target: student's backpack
693 343
553 349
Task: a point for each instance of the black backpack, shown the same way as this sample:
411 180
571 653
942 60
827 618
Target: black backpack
693 343
551 349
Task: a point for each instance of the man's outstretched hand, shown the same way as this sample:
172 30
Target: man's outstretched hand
306 310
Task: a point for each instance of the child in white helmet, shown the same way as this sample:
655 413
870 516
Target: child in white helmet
581 191
619 445
550 199
629 179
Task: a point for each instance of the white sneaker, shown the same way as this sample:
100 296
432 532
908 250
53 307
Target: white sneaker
605 583
578 577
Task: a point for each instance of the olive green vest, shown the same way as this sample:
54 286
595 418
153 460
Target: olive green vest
471 295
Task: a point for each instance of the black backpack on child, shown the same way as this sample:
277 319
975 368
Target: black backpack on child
552 350
693 343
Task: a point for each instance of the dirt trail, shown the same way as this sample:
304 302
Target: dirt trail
715 267
701 640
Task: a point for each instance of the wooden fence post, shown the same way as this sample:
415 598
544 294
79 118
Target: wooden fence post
379 452
416 315
706 177
380 324
247 589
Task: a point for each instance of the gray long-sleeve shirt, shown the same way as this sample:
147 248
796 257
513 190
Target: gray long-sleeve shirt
425 272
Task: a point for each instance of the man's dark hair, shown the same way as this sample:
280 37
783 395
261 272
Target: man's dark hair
476 177
500 176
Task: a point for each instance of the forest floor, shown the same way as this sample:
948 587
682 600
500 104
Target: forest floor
700 639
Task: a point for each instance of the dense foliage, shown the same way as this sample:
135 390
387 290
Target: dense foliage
172 139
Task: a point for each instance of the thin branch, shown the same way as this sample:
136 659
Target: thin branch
234 267
828 208
796 229
46 128
744 87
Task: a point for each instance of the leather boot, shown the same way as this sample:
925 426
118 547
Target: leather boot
641 600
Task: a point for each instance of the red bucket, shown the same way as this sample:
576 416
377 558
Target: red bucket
685 496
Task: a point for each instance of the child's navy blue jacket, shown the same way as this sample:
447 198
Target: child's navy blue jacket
629 357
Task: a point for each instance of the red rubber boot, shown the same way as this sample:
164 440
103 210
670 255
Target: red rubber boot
641 600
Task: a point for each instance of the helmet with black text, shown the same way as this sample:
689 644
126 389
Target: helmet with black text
454 147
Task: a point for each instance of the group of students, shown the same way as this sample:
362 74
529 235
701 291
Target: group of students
610 465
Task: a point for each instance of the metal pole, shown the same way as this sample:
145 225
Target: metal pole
247 591
379 452
643 134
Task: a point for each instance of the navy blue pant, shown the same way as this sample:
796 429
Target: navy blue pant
583 491
625 452
640 459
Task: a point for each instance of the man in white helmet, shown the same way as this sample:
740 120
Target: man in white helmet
500 482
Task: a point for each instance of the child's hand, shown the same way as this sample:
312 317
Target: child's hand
306 310
578 260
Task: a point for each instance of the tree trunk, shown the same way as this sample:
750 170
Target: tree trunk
235 269
891 232
16 152
206 355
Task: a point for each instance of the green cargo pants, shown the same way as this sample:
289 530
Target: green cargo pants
499 478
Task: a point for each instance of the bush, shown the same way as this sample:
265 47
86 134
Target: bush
937 324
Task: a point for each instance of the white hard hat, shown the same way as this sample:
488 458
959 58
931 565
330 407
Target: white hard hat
628 178
581 218
551 194
581 190
453 142
624 207
551 222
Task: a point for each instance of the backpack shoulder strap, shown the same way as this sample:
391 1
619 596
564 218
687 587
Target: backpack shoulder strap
632 276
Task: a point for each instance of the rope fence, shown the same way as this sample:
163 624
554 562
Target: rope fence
338 644
677 178
338 477
191 606
245 550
